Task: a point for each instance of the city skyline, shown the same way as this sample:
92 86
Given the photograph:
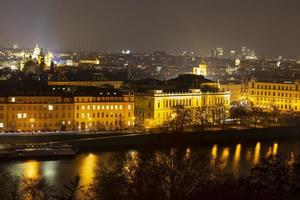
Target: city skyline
268 27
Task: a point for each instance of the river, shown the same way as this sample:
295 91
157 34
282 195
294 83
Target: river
235 157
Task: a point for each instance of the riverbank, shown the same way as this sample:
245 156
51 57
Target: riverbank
95 142
187 138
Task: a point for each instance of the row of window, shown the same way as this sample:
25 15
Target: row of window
274 100
103 107
274 87
98 115
99 99
174 102
286 107
282 94
42 125
39 115
42 107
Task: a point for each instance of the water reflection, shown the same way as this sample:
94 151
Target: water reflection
269 152
31 169
214 154
248 155
275 148
236 158
256 153
224 158
87 169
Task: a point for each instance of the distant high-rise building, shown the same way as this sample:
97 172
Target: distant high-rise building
248 54
217 52
16 46
232 54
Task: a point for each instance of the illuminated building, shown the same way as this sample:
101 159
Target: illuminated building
115 84
107 110
48 60
201 69
62 108
89 61
36 52
62 79
157 106
156 101
284 96
237 91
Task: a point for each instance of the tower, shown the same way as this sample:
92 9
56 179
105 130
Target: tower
201 69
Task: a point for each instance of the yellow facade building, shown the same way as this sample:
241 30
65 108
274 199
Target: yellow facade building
157 106
104 112
237 91
284 96
66 109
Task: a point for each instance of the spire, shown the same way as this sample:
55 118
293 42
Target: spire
203 61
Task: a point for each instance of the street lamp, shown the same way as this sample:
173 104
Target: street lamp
133 123
32 124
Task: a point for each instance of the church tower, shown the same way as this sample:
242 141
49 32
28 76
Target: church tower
201 69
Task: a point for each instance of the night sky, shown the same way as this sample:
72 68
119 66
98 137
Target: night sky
271 27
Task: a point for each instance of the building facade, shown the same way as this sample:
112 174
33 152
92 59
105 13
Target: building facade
283 96
65 109
157 106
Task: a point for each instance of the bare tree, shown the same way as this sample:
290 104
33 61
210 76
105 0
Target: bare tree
37 189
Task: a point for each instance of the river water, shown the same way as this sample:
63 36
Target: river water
235 157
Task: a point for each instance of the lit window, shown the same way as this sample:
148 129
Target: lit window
121 106
116 107
82 107
111 107
107 107
1 125
94 107
128 123
13 99
129 107
82 115
50 107
88 107
69 122
102 107
19 115
88 115
24 115
98 107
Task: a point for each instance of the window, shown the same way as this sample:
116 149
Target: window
1 125
50 107
129 107
13 99
24 115
19 115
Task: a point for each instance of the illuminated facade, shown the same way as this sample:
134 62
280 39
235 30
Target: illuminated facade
115 84
237 91
71 110
104 112
157 106
284 96
201 69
